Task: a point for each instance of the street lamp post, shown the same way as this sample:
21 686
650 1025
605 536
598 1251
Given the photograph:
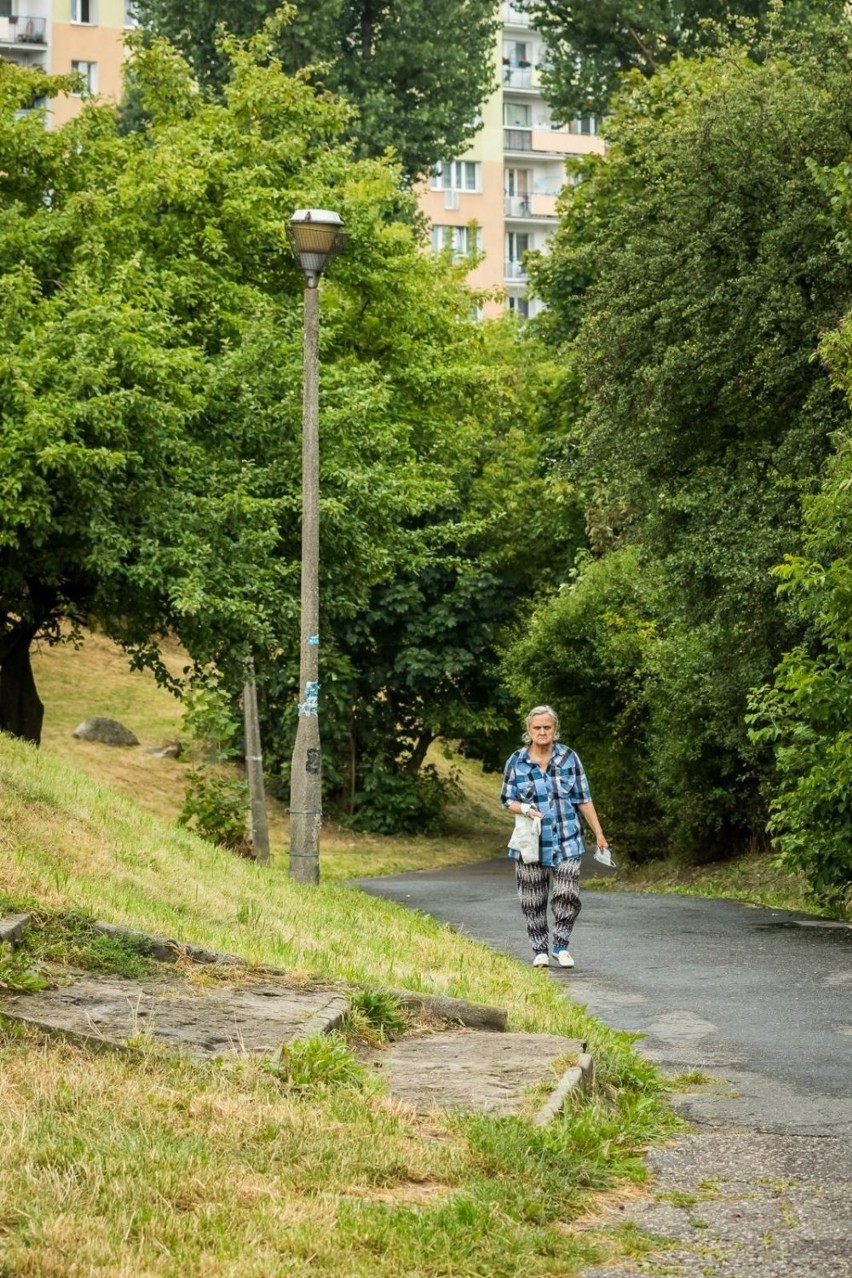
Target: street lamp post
316 237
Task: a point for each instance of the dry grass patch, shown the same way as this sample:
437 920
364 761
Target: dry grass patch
146 1165
187 1168
185 1164
95 679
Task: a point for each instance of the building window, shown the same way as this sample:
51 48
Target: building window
84 11
517 115
463 241
518 306
89 72
517 181
588 125
517 64
517 53
517 244
130 18
458 175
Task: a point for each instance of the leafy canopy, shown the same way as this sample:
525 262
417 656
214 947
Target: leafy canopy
151 362
417 71
804 713
592 43
694 273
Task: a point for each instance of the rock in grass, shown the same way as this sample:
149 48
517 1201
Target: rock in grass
105 732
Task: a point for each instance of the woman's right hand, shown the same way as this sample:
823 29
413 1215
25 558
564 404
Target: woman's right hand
531 811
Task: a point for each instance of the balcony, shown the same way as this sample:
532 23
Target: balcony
513 17
539 205
514 271
549 141
518 77
517 206
20 29
517 140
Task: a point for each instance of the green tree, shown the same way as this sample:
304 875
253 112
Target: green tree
418 71
151 361
147 484
591 44
804 713
693 275
586 653
420 658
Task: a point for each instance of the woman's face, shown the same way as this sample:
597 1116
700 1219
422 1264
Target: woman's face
541 729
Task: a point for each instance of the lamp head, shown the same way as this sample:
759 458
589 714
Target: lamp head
316 237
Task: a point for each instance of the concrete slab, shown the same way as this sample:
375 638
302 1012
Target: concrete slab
475 1069
13 926
206 1021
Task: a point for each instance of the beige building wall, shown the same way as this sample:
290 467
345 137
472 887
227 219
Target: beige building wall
519 156
88 32
63 35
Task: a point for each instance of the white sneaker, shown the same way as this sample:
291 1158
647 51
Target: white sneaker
541 960
563 957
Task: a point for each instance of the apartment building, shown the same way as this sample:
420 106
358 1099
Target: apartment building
499 197
68 35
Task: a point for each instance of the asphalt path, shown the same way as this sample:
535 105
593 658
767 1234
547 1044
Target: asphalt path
760 1185
760 1000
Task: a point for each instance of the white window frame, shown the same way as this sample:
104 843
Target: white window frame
89 70
510 53
464 176
587 126
517 244
523 108
78 7
464 241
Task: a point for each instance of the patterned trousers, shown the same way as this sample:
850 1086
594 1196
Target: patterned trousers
561 884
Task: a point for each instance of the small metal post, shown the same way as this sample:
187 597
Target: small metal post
254 769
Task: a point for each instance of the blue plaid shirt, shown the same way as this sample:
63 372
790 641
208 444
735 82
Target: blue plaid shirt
556 792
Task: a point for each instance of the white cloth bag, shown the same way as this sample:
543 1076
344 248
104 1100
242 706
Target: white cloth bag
525 838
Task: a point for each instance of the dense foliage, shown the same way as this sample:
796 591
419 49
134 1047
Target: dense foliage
694 274
592 43
804 714
417 71
151 361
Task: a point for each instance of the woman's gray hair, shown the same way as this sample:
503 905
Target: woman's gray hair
540 710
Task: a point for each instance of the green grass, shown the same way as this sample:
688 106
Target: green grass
117 1165
754 879
95 679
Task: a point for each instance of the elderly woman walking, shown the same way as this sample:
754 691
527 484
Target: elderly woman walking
545 781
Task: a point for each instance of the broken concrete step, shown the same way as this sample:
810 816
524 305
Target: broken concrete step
201 1021
478 1070
12 927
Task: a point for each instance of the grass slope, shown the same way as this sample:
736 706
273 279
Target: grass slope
120 1166
95 679
76 683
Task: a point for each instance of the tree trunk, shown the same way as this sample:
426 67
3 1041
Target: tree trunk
21 710
367 30
353 762
418 754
